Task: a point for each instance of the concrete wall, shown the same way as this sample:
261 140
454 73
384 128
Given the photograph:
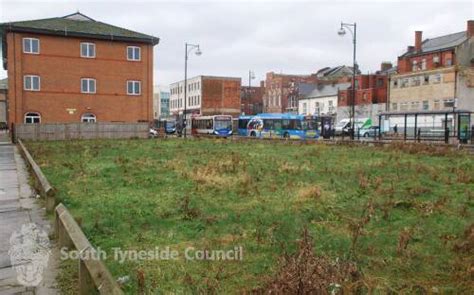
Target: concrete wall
61 68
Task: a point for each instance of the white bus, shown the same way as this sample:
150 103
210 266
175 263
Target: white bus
219 125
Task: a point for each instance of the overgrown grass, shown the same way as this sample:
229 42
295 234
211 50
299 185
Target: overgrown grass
398 214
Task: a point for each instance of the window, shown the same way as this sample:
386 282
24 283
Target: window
436 105
88 118
426 80
449 103
305 109
395 83
426 105
31 83
32 118
448 62
133 87
133 53
88 85
415 105
394 106
87 50
414 66
415 81
379 83
403 106
423 64
31 45
404 83
437 78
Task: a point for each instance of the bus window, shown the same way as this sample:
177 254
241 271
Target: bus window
243 123
285 124
276 124
268 124
295 124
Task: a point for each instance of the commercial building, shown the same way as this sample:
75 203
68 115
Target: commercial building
74 68
435 74
206 95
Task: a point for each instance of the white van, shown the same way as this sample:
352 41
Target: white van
343 127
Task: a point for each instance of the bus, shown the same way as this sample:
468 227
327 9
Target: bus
168 125
243 121
284 126
219 125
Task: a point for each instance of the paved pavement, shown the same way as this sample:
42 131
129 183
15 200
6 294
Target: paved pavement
18 206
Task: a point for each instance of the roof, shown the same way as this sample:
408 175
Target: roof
4 83
78 25
440 43
322 90
333 71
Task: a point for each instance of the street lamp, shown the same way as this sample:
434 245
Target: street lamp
187 49
342 32
249 92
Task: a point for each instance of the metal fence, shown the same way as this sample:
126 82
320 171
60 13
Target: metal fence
66 131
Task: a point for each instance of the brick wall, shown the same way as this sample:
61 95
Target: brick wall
61 68
220 96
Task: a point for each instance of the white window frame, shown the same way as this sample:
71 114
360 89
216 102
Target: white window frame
31 47
133 53
88 49
87 91
31 82
88 118
28 115
135 83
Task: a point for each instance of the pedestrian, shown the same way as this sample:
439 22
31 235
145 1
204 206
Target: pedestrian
395 129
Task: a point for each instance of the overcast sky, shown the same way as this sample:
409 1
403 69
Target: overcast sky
297 37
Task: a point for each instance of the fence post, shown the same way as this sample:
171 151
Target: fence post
86 285
419 134
446 134
13 135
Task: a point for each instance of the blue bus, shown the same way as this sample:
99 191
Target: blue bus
242 125
269 125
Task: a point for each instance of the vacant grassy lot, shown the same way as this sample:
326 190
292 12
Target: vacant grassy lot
404 218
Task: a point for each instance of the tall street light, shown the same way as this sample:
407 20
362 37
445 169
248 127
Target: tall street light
342 32
249 92
187 50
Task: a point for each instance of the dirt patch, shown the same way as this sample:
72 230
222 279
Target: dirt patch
306 273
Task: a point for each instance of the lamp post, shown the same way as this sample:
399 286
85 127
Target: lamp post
187 49
341 33
249 92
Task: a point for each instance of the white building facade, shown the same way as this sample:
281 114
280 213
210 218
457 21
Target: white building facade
194 96
322 100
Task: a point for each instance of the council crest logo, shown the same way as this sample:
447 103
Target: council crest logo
29 254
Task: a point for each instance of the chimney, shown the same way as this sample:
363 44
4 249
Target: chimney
418 36
470 28
386 65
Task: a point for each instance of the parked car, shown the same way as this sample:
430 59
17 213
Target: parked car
153 133
371 131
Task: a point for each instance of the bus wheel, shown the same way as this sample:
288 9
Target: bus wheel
253 134
286 135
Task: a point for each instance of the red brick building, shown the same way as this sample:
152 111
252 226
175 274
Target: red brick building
370 95
74 68
206 95
252 99
435 74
